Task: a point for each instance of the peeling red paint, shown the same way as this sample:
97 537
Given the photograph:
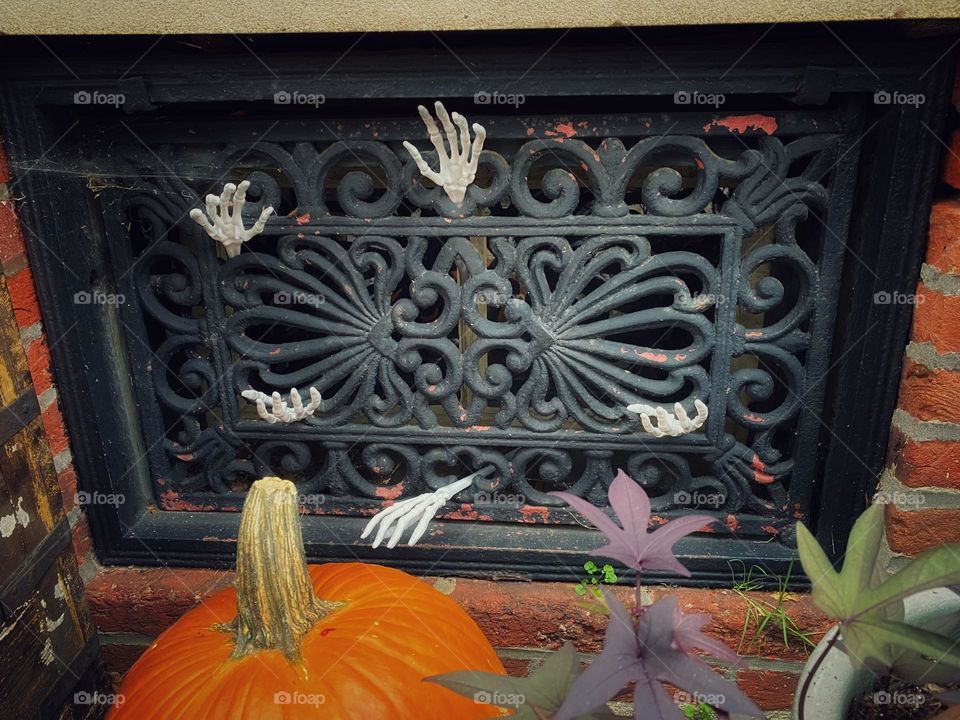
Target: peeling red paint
679 357
186 457
529 511
732 523
759 472
303 219
300 236
530 132
276 351
389 492
465 513
171 500
770 529
699 163
653 357
755 418
477 428
755 334
742 123
565 129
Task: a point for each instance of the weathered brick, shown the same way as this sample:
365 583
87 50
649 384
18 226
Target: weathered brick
951 161
943 248
771 690
54 428
11 236
67 480
149 600
4 163
930 394
23 295
934 320
515 666
933 463
119 657
912 532
38 359
82 541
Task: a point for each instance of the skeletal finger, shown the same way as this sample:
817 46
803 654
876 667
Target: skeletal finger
461 122
480 134
385 519
211 201
240 198
262 411
296 402
649 427
392 515
421 527
228 190
448 128
403 523
202 220
685 423
422 165
315 399
376 519
261 222
433 132
702 411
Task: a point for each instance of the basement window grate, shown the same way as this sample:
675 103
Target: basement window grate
644 251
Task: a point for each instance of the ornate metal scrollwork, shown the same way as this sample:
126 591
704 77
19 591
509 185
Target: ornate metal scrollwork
511 331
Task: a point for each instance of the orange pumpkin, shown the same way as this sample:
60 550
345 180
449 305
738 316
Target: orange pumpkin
270 649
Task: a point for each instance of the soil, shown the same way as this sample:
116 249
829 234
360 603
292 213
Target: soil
891 699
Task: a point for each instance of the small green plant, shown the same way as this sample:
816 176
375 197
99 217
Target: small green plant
764 615
595 576
698 712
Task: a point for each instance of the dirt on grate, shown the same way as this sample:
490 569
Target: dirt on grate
891 699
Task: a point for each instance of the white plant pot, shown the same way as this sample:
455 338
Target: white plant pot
836 683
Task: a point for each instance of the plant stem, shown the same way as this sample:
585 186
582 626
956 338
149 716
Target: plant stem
802 691
276 605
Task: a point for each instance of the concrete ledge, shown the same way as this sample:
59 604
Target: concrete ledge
122 17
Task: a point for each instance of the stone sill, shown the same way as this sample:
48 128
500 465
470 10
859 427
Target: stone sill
131 606
122 17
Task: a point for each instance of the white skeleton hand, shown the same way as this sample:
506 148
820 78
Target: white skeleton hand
224 226
674 425
459 167
422 507
279 410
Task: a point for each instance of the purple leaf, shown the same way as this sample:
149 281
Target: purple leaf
653 651
686 631
632 544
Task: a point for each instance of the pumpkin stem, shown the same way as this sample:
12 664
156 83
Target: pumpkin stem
276 605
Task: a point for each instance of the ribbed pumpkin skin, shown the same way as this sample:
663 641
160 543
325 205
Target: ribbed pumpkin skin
367 660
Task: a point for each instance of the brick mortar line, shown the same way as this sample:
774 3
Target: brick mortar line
924 353
125 638
933 498
920 430
939 281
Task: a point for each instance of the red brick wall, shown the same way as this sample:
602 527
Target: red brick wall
921 484
23 293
